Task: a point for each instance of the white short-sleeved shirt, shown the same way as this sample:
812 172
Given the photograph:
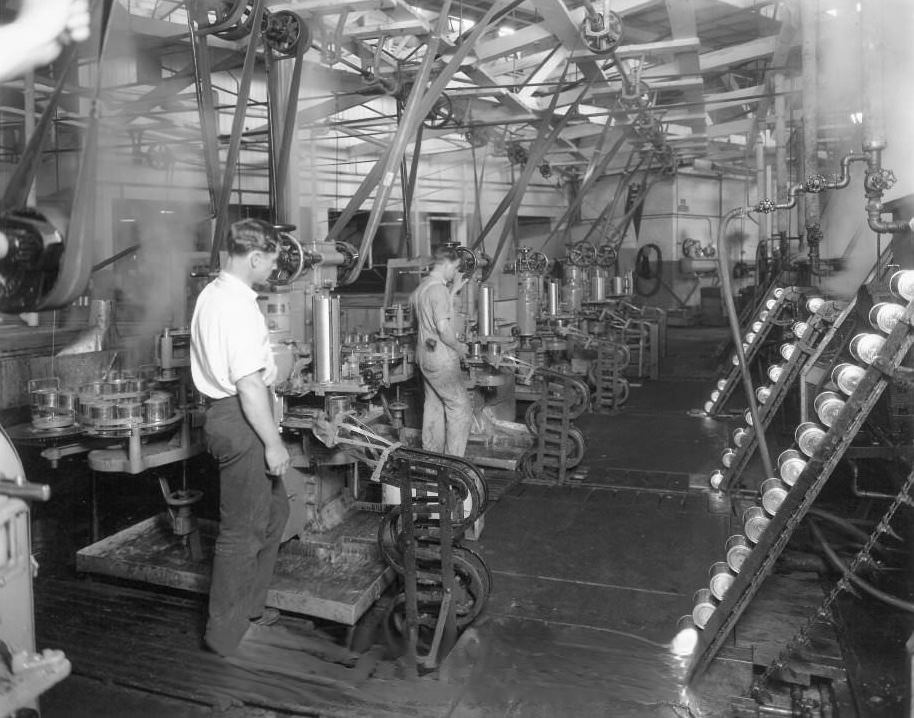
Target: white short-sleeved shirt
228 338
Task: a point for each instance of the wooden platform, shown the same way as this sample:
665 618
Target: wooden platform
337 577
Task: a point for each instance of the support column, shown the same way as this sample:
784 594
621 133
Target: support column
809 13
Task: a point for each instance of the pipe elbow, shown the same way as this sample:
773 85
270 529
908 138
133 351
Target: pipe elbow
881 226
898 226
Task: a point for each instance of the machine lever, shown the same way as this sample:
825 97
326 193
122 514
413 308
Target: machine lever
19 488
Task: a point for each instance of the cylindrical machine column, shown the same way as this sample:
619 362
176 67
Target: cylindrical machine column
553 297
485 311
573 287
528 304
598 286
326 349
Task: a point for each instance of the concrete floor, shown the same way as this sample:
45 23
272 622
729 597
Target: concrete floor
589 578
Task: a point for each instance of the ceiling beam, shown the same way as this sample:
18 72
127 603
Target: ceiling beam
734 98
331 7
725 129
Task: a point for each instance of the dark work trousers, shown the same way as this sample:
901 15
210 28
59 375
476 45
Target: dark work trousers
253 509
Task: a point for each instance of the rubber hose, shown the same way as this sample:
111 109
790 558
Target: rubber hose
860 583
643 269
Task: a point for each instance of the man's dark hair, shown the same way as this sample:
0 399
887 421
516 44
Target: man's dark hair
445 254
251 235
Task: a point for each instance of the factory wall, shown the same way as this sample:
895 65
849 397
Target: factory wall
686 206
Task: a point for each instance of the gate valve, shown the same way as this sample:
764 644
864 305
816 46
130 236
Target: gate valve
878 181
815 184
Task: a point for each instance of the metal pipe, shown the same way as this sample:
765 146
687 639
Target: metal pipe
809 11
763 227
872 43
858 582
781 172
727 291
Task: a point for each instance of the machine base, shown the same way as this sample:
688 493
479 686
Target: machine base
337 578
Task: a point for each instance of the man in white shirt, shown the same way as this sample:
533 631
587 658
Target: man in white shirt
232 365
447 412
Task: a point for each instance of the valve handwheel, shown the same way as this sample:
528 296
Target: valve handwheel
582 254
291 261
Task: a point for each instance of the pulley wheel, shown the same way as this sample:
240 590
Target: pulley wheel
285 33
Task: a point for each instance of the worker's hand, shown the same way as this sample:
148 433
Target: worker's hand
277 458
463 351
458 284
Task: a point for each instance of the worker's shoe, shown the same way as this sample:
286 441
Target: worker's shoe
267 618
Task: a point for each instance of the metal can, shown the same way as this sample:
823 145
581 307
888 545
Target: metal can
885 315
757 326
814 304
809 436
721 384
775 371
715 395
755 522
763 315
750 337
866 347
787 350
773 492
847 377
727 457
902 284
702 607
720 578
741 436
828 405
763 393
716 479
790 465
799 329
738 550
